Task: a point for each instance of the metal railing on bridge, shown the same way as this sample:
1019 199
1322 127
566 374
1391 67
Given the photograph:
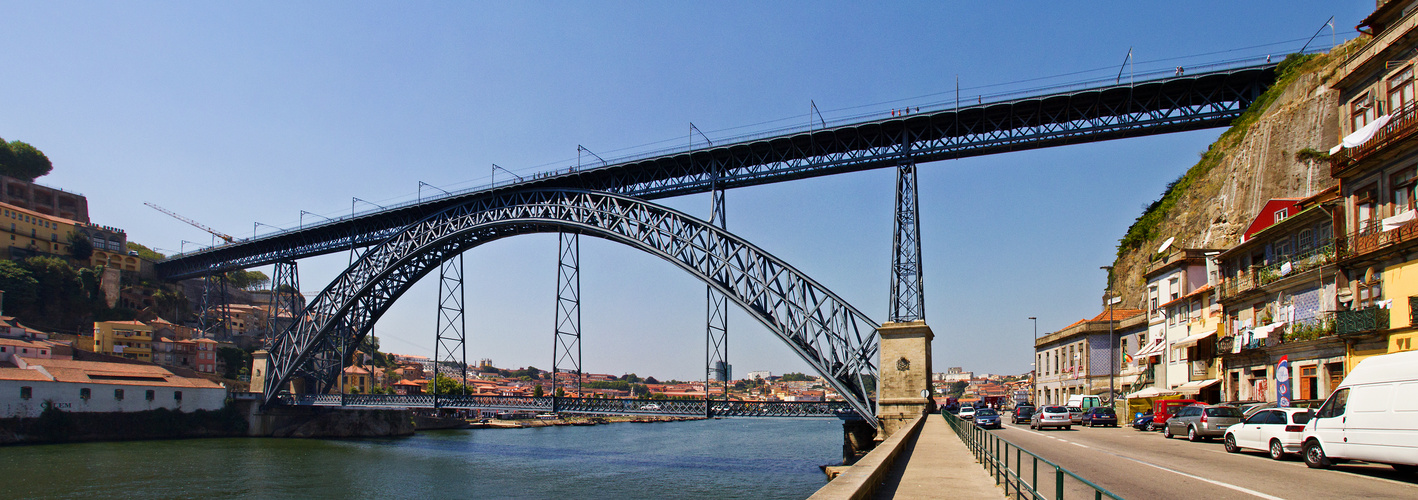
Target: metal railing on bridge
993 452
550 404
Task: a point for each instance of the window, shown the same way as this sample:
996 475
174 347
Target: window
1307 240
1174 287
1334 407
84 393
1365 218
1402 183
1361 111
177 395
118 394
1400 90
1281 214
1152 292
151 394
26 392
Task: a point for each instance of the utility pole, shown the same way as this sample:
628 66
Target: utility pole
1034 387
1112 342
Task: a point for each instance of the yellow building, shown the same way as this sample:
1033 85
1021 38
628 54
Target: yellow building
356 380
27 232
130 339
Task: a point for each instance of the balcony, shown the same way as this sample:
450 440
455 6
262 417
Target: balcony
1400 127
1360 321
1286 266
1373 238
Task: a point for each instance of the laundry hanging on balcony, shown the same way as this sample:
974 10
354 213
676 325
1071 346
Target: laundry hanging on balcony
1362 135
1394 222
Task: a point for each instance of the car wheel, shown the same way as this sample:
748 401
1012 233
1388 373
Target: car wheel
1231 444
1277 452
1068 427
1151 426
1314 456
1167 432
1192 435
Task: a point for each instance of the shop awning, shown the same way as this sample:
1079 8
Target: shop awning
1153 349
1196 386
1150 392
1192 340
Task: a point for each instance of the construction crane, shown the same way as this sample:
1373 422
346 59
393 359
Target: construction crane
194 223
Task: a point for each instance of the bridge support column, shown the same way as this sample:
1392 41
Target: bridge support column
567 340
716 356
450 348
904 390
214 284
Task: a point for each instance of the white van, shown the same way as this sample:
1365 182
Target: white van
1084 401
1372 416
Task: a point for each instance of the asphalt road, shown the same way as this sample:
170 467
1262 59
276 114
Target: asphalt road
1144 465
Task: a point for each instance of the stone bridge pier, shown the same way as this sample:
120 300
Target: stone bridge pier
903 391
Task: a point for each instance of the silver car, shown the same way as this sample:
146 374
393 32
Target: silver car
1200 422
1051 416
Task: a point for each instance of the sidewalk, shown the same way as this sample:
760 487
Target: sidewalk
938 465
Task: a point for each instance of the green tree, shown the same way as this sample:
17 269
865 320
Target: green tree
795 377
80 247
21 289
6 156
145 252
447 385
956 389
27 162
560 392
248 280
235 359
537 391
59 301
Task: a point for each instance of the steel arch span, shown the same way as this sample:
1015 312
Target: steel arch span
829 334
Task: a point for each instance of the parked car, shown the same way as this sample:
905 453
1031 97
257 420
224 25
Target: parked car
1099 415
1370 416
1278 431
1075 414
1022 414
1084 401
1163 409
1143 421
987 418
1200 422
1251 408
1051 416
966 412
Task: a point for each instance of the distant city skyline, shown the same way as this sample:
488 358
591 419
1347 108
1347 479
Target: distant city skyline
243 116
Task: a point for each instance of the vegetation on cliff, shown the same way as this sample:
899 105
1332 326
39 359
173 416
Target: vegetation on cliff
1147 226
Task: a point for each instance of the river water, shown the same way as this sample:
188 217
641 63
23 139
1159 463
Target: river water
728 458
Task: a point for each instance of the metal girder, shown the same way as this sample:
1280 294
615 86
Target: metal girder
589 406
908 293
716 331
450 340
834 338
215 302
285 297
566 336
1166 105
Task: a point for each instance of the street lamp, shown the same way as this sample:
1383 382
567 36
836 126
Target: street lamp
1112 342
1034 387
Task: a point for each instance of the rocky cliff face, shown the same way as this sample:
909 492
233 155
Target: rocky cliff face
1254 161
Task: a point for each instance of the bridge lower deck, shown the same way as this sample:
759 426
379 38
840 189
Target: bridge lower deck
588 406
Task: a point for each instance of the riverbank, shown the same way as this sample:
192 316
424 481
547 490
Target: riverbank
574 421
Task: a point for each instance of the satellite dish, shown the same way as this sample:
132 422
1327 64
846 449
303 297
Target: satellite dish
1369 275
1166 244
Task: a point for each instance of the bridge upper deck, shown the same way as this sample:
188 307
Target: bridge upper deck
1157 106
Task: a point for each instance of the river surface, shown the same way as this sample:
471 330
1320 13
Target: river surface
728 458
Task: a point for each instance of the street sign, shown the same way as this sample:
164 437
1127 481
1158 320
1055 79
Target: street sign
1282 382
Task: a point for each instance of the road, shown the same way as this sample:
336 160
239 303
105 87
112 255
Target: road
1144 465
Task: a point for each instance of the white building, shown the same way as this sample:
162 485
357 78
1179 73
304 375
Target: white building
28 384
762 374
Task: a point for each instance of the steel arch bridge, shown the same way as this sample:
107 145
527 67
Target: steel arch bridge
836 339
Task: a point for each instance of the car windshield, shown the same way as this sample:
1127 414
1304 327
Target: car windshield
986 412
1025 410
1102 411
1075 409
1300 417
1223 411
1055 409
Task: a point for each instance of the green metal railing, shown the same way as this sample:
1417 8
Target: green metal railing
993 452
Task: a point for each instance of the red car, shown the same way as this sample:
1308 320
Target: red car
1163 409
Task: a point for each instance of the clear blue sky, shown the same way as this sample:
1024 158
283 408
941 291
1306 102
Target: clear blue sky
234 113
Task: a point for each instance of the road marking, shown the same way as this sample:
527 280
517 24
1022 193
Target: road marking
1199 478
1078 445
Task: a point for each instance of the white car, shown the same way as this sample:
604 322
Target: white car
966 413
1279 431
